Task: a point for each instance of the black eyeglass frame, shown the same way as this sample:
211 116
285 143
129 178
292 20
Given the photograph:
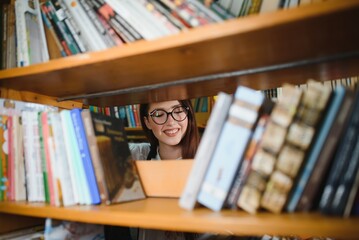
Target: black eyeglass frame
169 113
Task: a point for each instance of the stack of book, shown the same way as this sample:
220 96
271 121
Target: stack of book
299 154
41 30
64 158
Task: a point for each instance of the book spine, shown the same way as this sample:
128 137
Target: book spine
49 161
316 179
95 156
66 187
63 28
226 160
43 160
57 30
315 150
50 28
88 30
205 149
346 183
85 155
341 161
242 174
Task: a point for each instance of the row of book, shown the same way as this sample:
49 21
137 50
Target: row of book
351 82
300 153
129 114
34 31
78 26
64 157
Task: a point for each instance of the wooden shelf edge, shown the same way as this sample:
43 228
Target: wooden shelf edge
165 214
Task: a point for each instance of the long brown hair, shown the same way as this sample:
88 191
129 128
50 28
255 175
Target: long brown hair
189 141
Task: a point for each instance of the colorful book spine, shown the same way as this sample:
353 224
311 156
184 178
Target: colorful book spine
206 147
316 180
264 160
226 159
315 149
85 155
66 188
298 139
333 192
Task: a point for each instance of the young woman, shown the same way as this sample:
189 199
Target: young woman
171 130
172 133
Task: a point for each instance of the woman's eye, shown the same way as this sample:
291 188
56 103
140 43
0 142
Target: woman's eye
158 114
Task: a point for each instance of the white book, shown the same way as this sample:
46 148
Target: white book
269 6
31 142
30 34
77 188
205 149
230 148
139 18
236 7
88 30
61 162
19 164
80 175
226 4
206 10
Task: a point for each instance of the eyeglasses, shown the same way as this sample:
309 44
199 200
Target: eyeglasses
160 116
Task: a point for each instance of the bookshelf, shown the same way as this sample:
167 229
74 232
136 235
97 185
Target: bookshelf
164 213
318 41
179 66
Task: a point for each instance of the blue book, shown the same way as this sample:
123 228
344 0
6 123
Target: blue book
73 153
231 146
85 155
317 146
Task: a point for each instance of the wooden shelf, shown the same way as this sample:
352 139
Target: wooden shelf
162 213
304 41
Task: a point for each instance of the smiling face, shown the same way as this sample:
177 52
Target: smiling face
171 132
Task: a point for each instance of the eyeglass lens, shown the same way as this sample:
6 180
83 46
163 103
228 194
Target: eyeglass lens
160 116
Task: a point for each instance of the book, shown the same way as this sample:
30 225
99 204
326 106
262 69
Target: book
316 147
85 155
48 156
253 146
77 174
3 158
139 18
205 149
265 158
30 34
63 14
298 139
348 184
226 159
351 206
17 160
56 50
332 196
44 162
316 180
65 185
93 39
116 174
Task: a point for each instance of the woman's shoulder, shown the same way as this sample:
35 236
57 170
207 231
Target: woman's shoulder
139 151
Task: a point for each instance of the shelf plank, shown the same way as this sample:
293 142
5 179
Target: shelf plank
303 34
162 213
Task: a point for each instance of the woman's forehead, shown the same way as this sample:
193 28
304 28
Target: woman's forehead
167 105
